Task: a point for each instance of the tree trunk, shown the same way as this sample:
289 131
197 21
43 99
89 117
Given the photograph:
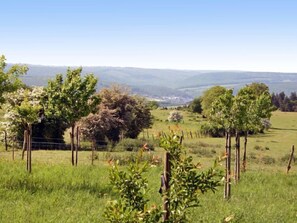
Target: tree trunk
93 151
24 144
227 189
13 145
29 147
72 144
237 158
77 145
5 140
244 152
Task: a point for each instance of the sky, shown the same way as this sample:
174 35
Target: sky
251 35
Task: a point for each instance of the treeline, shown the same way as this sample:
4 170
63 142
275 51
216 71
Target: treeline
285 103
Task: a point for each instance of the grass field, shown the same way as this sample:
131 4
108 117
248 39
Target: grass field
57 192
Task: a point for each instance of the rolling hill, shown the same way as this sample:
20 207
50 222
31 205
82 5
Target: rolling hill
170 86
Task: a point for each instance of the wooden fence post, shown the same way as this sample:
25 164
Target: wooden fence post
290 160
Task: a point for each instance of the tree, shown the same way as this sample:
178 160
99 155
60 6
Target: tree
95 127
209 96
9 80
133 111
186 186
195 106
71 98
175 116
222 115
50 129
258 88
28 113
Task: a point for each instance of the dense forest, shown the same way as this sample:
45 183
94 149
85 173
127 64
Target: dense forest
285 103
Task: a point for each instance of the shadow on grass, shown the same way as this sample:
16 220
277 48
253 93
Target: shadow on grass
284 129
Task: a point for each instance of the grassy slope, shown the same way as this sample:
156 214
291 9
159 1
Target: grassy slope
56 192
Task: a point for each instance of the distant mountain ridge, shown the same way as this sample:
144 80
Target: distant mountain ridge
171 86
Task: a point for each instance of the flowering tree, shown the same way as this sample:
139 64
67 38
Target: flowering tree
175 116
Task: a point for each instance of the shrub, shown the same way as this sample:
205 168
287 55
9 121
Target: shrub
126 159
267 160
212 130
286 158
203 152
134 145
175 116
260 148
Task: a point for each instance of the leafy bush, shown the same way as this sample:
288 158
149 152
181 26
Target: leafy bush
203 152
212 130
134 145
260 148
186 185
268 160
126 159
175 116
132 206
286 158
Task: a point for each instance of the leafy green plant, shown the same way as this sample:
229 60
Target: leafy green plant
127 158
128 144
186 183
185 186
132 187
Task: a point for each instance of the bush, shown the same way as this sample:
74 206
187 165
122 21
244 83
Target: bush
203 152
126 159
267 160
260 148
175 116
286 158
134 145
212 130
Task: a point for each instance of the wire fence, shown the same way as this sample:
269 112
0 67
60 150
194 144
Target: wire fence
46 145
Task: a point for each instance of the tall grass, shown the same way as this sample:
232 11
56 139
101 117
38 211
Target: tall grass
57 192
259 197
53 193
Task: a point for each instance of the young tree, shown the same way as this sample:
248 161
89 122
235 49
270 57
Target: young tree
195 105
71 98
209 96
222 115
28 113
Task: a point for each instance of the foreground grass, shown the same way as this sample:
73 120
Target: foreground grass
259 197
54 193
61 193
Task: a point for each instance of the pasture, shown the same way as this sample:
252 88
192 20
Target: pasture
58 192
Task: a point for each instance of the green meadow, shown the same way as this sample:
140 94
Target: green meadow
58 192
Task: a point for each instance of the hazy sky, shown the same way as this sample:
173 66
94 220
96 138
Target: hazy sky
256 35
